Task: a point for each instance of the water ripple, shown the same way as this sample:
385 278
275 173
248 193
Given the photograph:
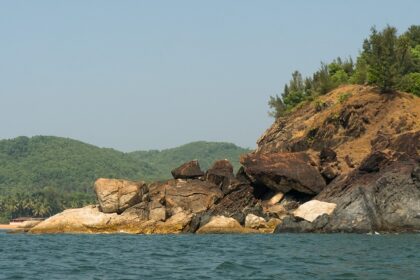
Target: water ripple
283 256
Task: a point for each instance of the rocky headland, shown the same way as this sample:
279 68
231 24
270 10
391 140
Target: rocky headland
333 165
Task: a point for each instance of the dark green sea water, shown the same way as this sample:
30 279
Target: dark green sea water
283 256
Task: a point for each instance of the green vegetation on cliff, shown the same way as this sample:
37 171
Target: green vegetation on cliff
387 60
43 175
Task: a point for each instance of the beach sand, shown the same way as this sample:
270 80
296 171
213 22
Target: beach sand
7 226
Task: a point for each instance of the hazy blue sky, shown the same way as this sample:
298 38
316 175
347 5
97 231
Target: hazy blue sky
156 74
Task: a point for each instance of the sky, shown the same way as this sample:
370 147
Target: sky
138 75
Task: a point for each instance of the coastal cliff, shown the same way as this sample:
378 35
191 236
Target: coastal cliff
366 146
345 162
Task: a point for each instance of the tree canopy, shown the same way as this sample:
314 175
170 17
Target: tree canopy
387 60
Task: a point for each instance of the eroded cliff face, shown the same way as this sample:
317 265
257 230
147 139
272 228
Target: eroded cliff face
366 145
351 120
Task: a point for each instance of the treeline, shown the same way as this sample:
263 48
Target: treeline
39 203
387 60
205 152
43 175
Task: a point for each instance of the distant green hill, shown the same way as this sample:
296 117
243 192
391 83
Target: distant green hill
44 174
205 152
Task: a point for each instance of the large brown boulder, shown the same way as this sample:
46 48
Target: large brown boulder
116 195
284 172
188 170
190 195
220 174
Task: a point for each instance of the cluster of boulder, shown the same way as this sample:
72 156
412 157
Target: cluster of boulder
194 201
352 166
271 192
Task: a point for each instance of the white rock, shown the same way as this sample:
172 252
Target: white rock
313 209
222 224
276 198
255 222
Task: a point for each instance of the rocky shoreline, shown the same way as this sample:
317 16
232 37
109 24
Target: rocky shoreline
345 167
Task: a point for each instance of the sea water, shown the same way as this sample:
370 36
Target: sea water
279 256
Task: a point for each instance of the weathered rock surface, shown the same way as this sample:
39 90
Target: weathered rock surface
278 210
28 224
383 201
373 162
194 195
221 174
383 194
237 204
157 212
90 220
177 223
258 223
329 173
190 195
311 210
271 225
254 221
221 224
283 172
296 225
327 155
189 170
114 195
367 151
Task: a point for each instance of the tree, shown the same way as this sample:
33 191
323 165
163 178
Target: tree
413 34
411 83
360 74
385 55
277 106
321 81
388 61
295 92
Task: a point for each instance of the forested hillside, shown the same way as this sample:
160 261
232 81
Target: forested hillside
205 152
43 175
